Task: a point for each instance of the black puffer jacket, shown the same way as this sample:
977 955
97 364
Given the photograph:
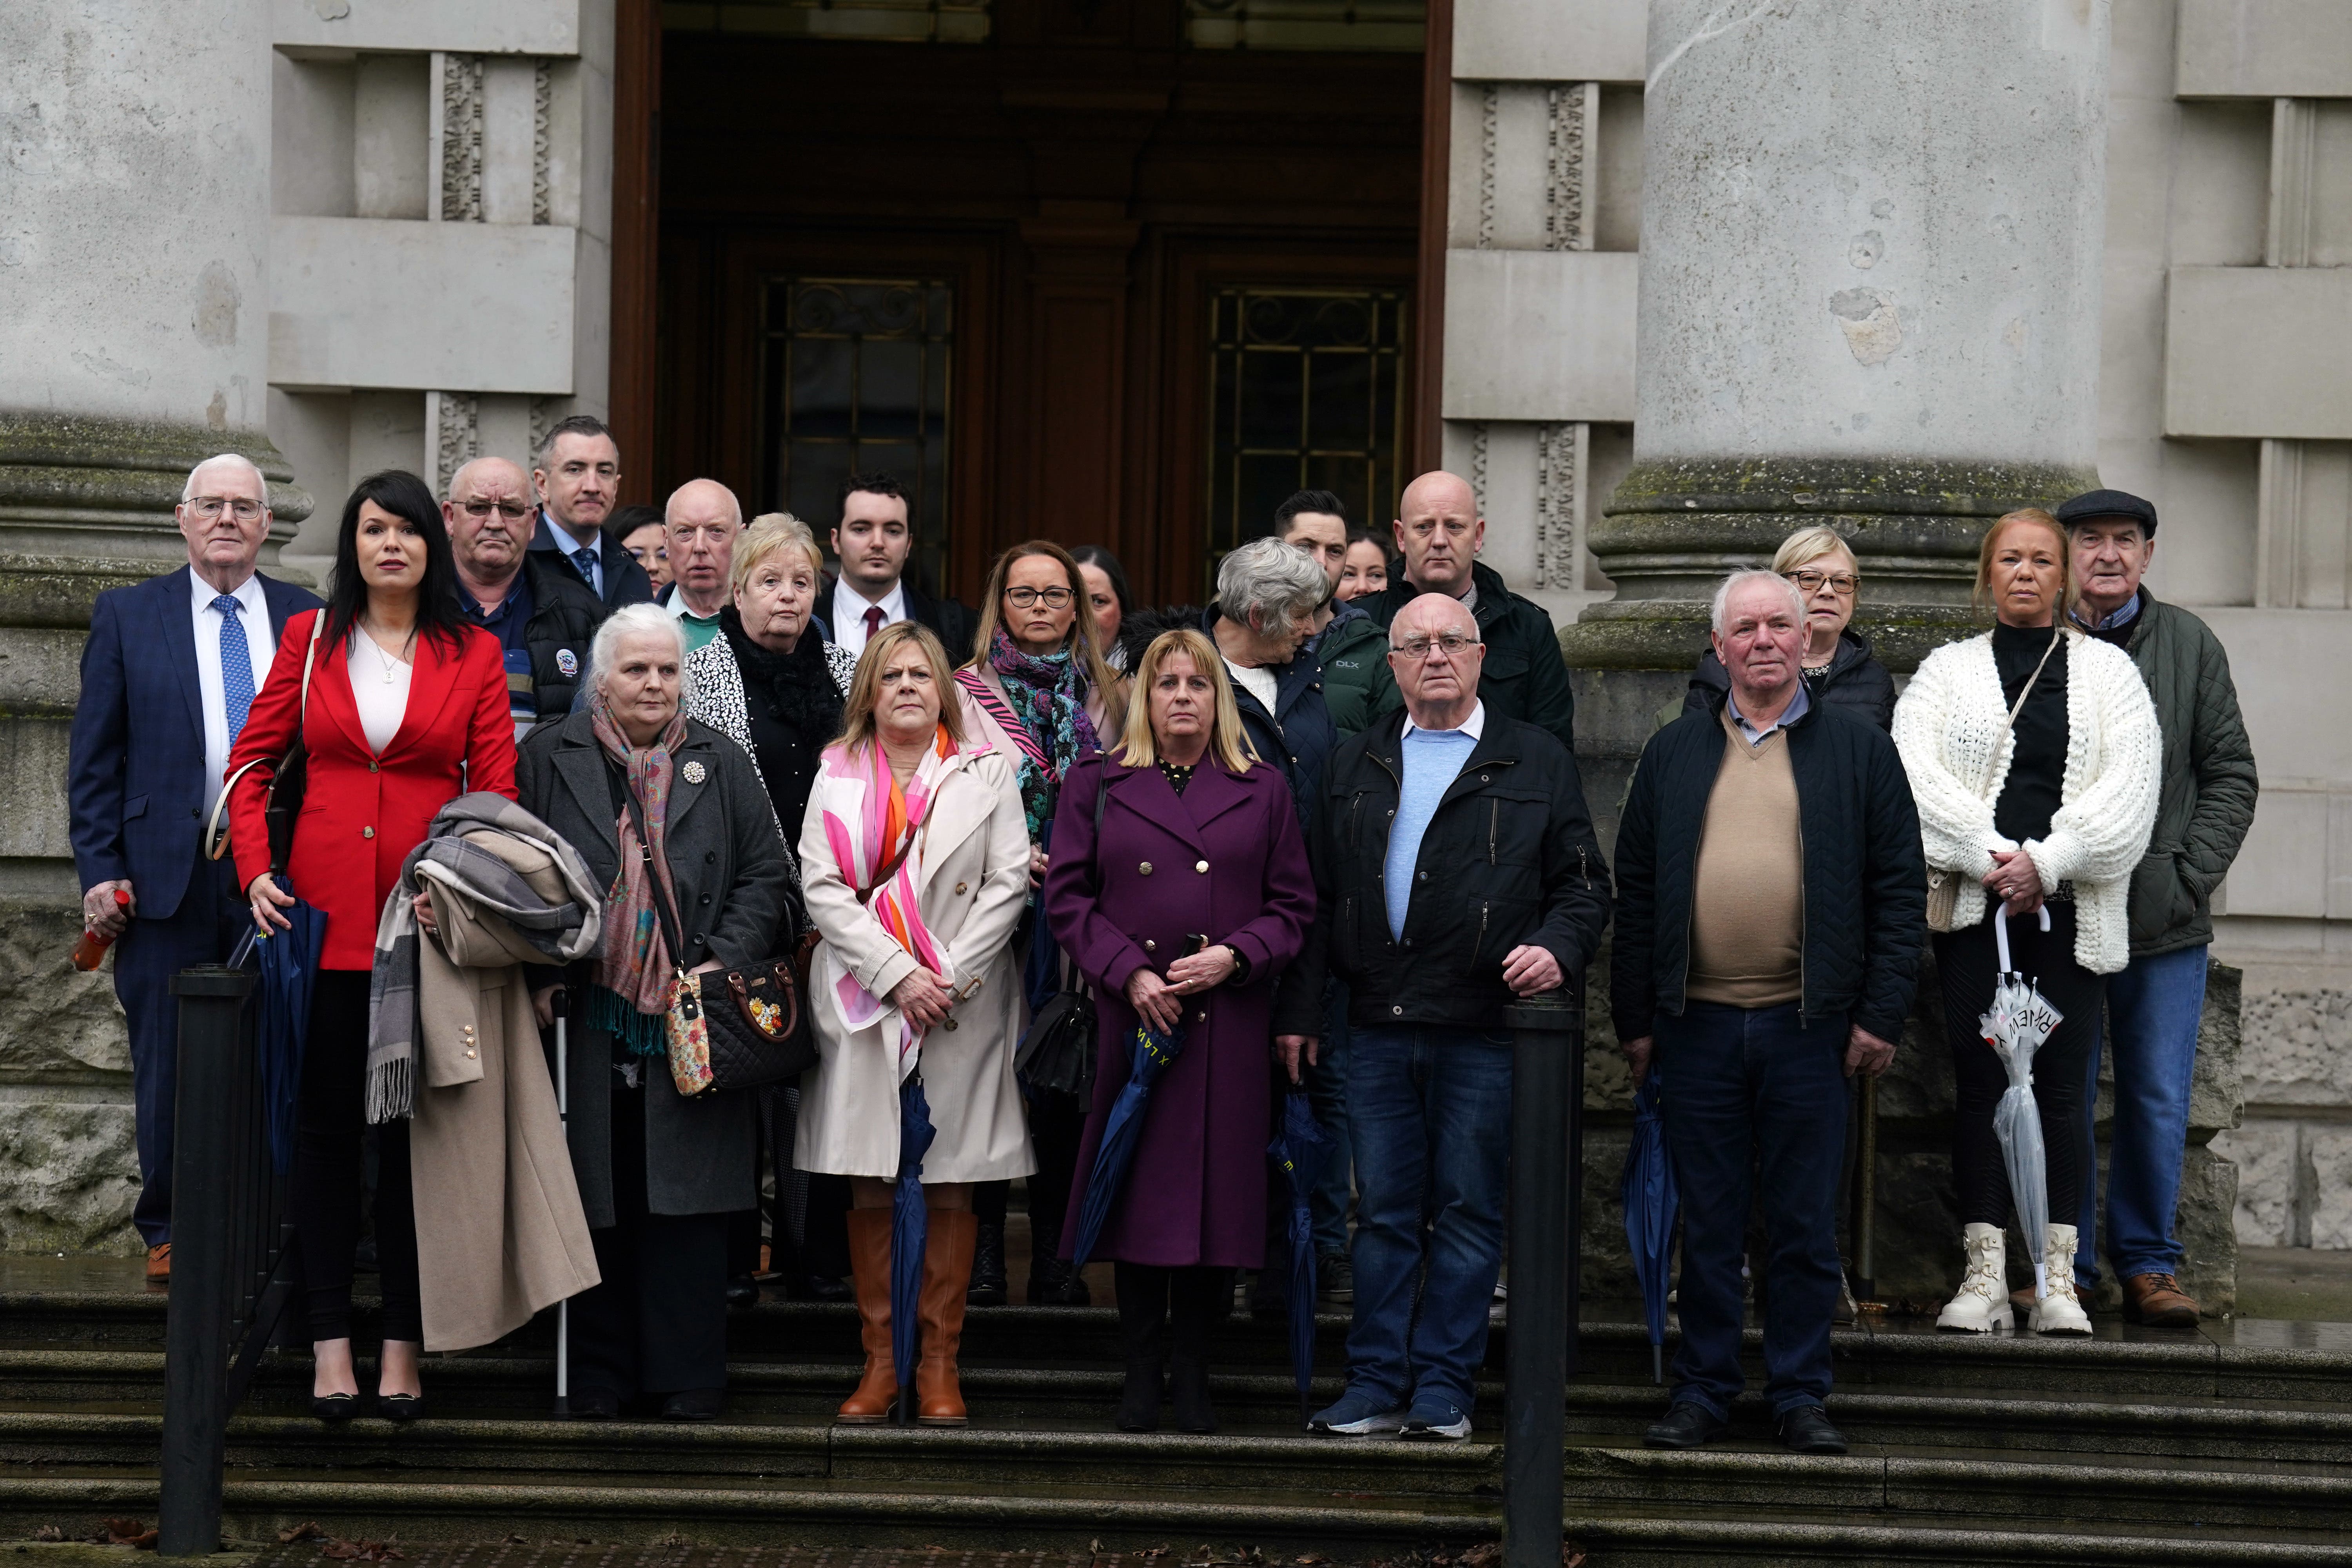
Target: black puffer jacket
1510 858
1865 879
1855 681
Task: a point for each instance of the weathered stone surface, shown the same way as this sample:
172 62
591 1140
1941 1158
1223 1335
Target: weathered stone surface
69 1177
2203 1225
58 1025
2298 1047
2266 1155
2329 1154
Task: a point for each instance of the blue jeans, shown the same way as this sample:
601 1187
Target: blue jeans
2152 1010
1326 1090
1429 1111
1743 1089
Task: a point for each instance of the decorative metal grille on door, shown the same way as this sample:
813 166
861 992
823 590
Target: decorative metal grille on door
1305 393
855 376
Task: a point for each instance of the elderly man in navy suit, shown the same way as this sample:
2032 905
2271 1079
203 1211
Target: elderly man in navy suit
169 672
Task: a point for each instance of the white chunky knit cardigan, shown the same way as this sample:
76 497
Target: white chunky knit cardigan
1944 728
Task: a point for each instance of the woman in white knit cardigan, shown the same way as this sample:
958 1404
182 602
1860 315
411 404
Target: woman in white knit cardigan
2052 810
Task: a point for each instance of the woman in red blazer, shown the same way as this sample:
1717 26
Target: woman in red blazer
407 710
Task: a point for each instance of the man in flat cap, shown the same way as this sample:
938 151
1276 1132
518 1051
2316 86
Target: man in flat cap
2154 1006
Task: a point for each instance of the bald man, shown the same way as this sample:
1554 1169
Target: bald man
544 615
1439 532
703 517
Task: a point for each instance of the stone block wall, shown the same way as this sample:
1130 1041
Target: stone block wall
68 1165
2295 1150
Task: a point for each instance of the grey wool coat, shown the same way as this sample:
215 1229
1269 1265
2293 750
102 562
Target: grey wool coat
734 894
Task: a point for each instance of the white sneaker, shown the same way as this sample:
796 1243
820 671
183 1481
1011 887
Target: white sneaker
1982 1305
2059 1310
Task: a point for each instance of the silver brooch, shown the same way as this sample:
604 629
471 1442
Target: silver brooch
693 772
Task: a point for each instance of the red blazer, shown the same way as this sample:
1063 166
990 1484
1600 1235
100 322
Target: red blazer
361 813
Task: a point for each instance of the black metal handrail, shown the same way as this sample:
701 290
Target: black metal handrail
1546 1253
232 1261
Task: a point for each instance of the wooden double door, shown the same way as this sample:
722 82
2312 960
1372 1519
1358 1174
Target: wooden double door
1092 292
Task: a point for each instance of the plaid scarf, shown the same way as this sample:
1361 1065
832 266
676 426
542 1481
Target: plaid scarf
1048 692
632 975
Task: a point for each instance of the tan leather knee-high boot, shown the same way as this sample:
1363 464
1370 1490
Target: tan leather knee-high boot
869 1266
946 1273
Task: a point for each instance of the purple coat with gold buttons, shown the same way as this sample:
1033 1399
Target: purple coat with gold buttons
1223 860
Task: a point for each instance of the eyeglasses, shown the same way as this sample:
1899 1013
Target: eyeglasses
512 510
1842 584
209 508
1053 598
1454 645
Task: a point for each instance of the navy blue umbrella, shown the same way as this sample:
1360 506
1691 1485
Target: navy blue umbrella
290 966
1149 1054
910 1229
1651 1203
1302 1149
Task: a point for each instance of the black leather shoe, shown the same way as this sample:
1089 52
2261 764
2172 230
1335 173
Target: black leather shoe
334 1406
1686 1426
694 1405
1188 1390
742 1291
1807 1430
987 1287
400 1407
816 1287
1139 1397
1053 1283
594 1405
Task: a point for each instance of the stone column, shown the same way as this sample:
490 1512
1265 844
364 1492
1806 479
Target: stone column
1871 242
134 214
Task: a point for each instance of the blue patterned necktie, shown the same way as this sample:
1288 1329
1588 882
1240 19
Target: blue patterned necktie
585 559
236 664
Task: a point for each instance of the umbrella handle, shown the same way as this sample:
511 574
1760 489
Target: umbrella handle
2000 937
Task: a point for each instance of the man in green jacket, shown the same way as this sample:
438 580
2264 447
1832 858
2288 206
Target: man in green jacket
2154 1006
1439 532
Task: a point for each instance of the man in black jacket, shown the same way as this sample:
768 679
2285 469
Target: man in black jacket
542 614
872 542
1440 530
1456 868
577 472
1771 903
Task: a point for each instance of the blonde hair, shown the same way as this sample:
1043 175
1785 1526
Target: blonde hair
1137 747
769 534
2037 517
1081 640
857 726
1809 544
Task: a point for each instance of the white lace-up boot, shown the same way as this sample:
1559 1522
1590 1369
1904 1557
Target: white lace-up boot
2059 1310
1982 1305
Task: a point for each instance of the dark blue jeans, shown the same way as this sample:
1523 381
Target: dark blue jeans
2153 1011
1430 1112
1757 1088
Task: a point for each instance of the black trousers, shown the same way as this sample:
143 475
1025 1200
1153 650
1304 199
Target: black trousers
658 1322
326 1185
1057 1122
1969 964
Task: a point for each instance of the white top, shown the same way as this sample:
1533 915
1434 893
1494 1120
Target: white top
1473 726
849 607
1257 681
260 647
380 688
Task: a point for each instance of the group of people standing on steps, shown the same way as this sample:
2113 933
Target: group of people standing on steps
1315 835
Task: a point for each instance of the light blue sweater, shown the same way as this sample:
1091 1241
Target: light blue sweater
1432 759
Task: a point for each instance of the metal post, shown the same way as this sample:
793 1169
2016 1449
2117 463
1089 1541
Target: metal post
1547 1124
213 1076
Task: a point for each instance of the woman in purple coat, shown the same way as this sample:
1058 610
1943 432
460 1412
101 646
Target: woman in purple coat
1182 911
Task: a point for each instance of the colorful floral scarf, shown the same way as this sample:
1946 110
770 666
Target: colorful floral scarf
1048 692
632 977
870 820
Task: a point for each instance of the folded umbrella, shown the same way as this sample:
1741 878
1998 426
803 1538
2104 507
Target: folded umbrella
2016 1024
1149 1054
1652 1203
288 961
909 1231
1302 1149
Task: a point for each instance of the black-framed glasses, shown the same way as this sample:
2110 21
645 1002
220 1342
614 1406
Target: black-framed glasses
209 508
1842 584
512 510
1021 598
1454 645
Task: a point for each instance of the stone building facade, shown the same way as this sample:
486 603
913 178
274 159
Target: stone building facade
1689 272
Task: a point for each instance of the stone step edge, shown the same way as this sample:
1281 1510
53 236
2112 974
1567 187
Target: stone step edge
1779 1541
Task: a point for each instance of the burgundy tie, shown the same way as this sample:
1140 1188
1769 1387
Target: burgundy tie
873 621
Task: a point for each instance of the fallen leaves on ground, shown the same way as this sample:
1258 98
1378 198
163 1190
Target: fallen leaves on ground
125 1533
307 1532
341 1550
49 1532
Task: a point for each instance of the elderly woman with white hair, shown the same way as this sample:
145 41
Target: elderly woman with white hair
1267 594
674 822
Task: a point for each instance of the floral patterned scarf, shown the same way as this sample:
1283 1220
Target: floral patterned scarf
632 974
1048 692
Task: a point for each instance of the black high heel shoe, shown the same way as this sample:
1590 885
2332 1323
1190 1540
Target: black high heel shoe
401 1407
334 1406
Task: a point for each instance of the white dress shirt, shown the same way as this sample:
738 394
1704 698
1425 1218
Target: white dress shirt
849 607
379 689
261 647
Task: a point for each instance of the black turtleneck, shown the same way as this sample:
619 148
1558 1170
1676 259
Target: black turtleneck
794 709
2037 771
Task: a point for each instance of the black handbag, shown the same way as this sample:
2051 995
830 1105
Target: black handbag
1058 1053
288 778
758 1031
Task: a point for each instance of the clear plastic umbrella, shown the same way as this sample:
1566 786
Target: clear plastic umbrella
2019 1019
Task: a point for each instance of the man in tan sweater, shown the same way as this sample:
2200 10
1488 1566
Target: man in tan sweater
1770 911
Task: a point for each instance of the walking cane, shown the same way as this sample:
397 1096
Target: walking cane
563 1118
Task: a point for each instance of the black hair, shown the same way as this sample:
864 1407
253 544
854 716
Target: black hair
1366 536
1103 561
405 496
627 520
876 483
577 424
1323 501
